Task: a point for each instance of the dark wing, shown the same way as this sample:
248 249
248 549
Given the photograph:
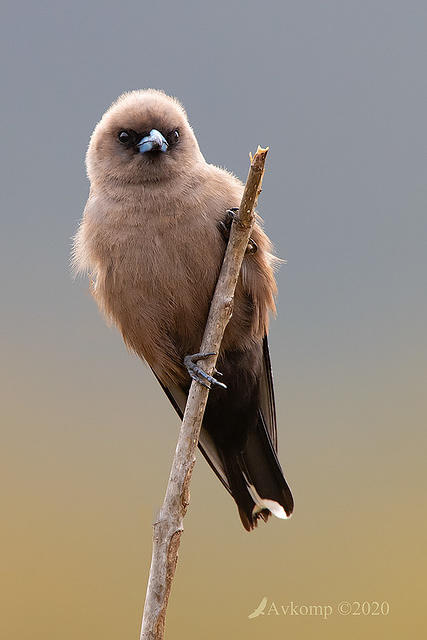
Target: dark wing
178 398
239 440
266 396
267 410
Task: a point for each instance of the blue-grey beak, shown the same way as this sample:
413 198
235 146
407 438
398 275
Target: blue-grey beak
153 142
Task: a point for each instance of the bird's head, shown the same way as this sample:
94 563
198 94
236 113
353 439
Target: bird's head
143 137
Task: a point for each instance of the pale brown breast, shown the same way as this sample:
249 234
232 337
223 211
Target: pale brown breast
155 282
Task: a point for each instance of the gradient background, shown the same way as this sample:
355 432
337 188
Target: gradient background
338 90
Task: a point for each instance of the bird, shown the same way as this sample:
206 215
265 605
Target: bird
151 240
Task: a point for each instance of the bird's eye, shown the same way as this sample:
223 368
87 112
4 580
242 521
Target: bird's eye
124 137
173 136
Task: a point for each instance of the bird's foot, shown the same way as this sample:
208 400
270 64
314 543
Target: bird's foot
225 225
197 372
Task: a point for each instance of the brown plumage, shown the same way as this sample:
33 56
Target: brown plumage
150 240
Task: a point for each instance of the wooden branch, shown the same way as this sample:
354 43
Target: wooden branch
169 524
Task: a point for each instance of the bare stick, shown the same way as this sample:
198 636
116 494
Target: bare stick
169 524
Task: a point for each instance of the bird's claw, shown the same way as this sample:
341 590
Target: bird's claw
225 225
197 373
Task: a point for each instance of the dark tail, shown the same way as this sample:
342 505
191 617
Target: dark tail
256 479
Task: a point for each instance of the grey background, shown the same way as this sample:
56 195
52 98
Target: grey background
338 90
